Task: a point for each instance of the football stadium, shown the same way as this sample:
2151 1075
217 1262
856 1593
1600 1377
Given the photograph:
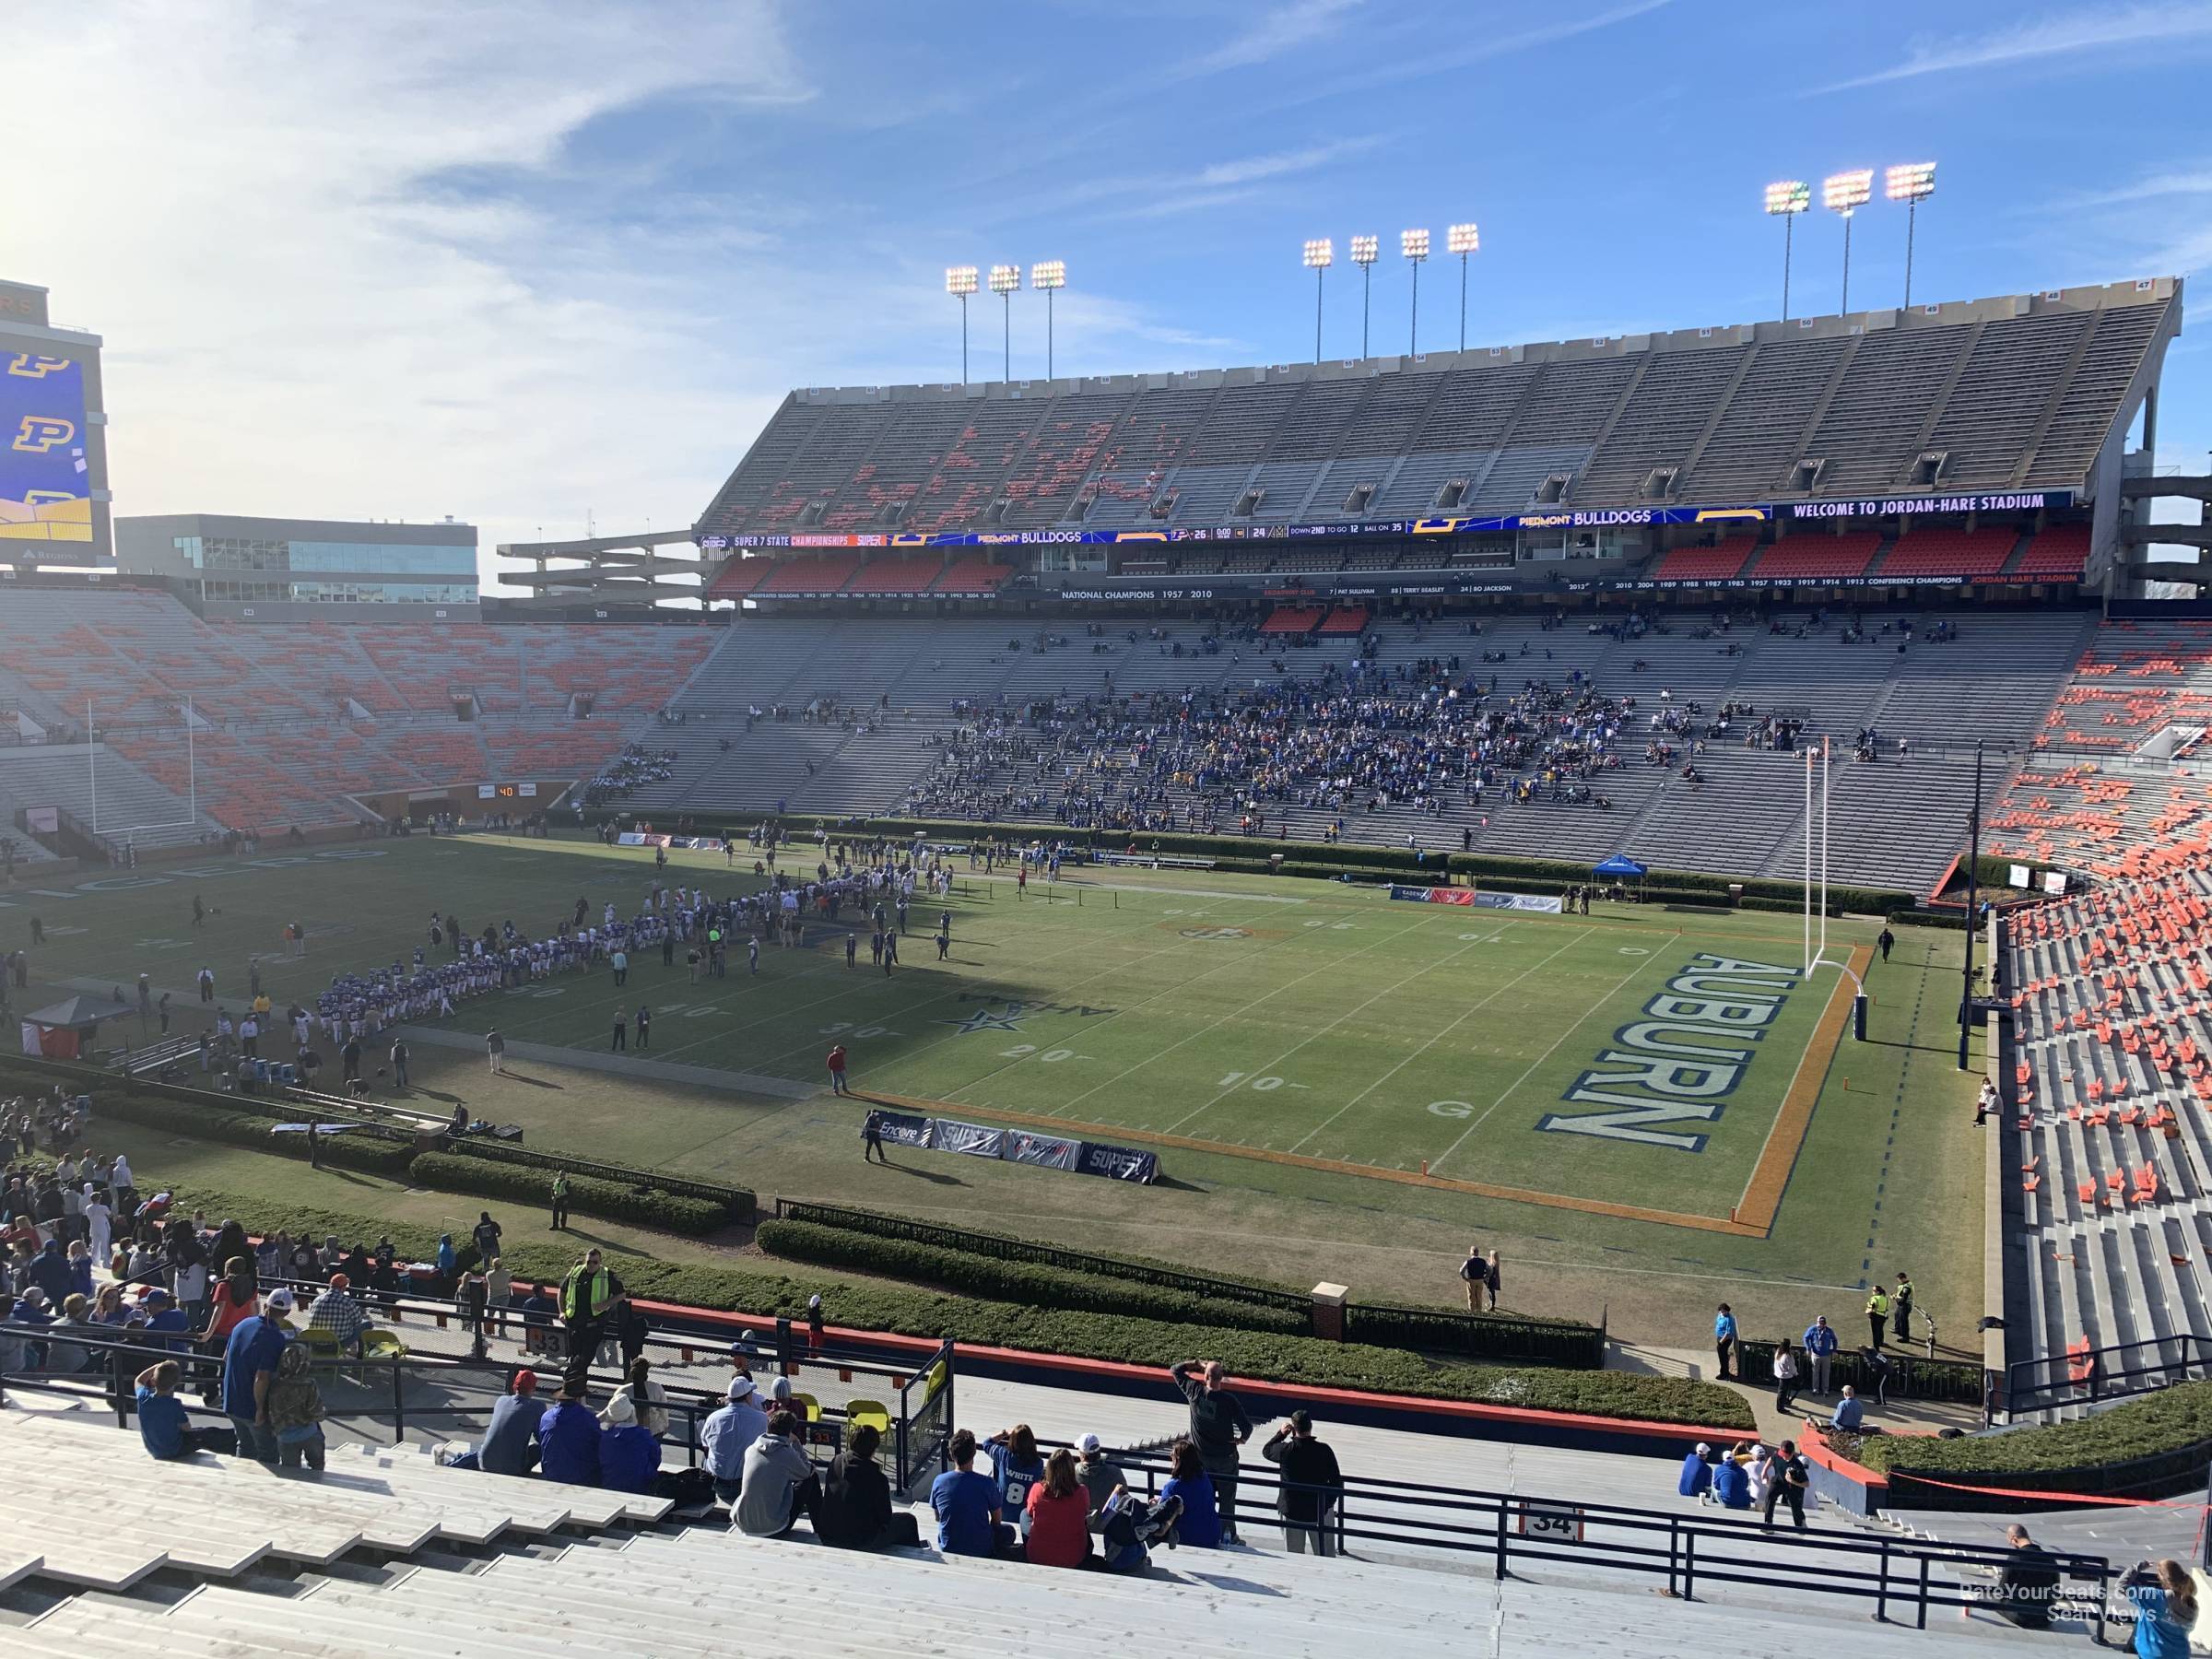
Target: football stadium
1484 964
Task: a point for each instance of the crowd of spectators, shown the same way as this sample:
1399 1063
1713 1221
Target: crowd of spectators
635 767
1430 735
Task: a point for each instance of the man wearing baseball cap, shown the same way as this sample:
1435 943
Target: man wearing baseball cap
335 1315
166 1322
510 1442
250 1357
1100 1477
726 1434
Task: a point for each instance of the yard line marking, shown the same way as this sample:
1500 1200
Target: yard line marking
1432 1042
1122 967
1234 1013
1229 962
1546 1054
1269 1067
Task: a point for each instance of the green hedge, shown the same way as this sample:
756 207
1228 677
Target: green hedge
454 1172
2078 1456
1147 1342
1034 1282
373 1154
1005 1247
993 1264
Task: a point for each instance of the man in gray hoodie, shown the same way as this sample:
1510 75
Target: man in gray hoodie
778 1483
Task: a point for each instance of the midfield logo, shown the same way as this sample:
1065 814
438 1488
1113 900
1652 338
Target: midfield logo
982 1020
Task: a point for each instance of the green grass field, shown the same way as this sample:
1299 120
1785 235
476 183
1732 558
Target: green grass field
1296 1050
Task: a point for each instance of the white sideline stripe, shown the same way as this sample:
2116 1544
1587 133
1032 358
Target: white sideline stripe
1601 1002
1316 1036
1236 1013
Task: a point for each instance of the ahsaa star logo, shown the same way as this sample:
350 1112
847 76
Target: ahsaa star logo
982 1020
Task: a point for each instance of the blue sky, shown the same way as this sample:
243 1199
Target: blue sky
526 263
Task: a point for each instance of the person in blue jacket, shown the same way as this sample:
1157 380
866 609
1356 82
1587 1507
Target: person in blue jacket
1723 1341
1819 1348
1731 1483
629 1453
1697 1473
568 1440
1849 1413
2165 1600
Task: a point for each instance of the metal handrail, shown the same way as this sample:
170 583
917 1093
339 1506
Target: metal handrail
1512 1528
2047 1381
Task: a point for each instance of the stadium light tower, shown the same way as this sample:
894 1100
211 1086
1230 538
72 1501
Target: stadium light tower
1365 251
1788 197
1005 280
960 282
1846 193
1913 184
1414 244
1049 275
1462 239
1321 253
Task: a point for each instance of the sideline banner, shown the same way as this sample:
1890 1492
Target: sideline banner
1434 894
903 1129
974 1139
1119 1163
1535 903
1051 1150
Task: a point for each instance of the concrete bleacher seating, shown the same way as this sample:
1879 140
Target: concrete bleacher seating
1896 822
220 1516
2108 1083
388 1554
2015 392
1705 564
134 802
288 721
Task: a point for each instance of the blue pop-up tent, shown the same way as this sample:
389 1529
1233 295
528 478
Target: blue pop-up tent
1620 864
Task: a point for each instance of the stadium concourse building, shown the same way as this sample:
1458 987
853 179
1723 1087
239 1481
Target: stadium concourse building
1981 444
264 570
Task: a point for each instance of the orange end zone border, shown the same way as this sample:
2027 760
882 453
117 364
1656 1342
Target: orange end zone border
1753 1218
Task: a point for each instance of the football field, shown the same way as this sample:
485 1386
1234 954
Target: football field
1644 1063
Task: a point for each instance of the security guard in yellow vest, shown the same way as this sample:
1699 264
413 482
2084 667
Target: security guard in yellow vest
1877 1315
587 1294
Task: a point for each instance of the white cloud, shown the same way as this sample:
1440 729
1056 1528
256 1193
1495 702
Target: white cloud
295 323
2029 39
1280 30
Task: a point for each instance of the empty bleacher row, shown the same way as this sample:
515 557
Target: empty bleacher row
2009 393
2108 1075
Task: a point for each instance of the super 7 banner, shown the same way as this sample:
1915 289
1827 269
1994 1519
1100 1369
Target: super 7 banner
45 488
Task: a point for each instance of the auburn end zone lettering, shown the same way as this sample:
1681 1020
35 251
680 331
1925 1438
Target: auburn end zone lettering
1682 1059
